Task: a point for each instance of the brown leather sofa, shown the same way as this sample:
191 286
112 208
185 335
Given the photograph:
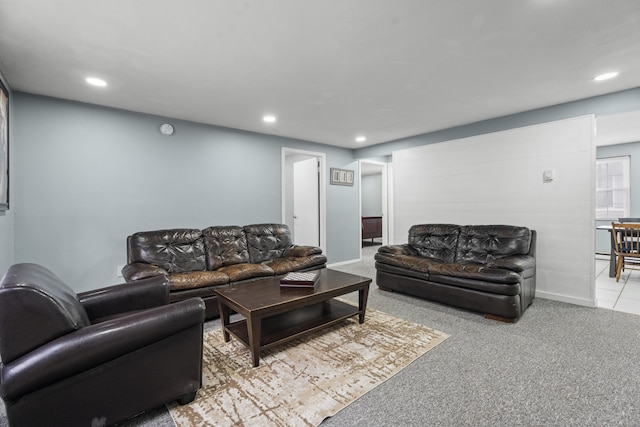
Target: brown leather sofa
95 358
490 269
199 261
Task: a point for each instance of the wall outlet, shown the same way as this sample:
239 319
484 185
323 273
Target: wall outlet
119 270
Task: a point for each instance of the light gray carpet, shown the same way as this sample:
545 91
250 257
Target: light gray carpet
560 365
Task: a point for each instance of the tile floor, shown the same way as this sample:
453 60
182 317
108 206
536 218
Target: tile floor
621 296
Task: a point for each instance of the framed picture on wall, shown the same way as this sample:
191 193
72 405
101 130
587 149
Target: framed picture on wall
4 147
341 176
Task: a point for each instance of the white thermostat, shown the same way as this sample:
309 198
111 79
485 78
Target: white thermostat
166 129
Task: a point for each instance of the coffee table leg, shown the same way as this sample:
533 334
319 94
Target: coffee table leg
225 312
363 294
254 326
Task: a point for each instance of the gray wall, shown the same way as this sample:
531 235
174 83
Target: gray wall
6 217
603 238
372 195
85 177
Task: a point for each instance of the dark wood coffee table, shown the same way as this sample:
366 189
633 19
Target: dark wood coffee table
274 314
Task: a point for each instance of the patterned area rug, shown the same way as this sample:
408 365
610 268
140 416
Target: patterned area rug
304 381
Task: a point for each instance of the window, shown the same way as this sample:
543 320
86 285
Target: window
612 187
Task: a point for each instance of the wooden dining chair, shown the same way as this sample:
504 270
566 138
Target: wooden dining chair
627 245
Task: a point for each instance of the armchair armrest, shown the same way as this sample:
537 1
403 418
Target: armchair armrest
97 344
138 295
517 263
140 270
404 249
297 251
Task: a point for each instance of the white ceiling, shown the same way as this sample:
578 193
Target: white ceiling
329 69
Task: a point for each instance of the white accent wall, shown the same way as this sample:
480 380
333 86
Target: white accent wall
497 178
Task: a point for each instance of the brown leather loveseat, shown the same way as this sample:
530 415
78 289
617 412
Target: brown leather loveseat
199 261
485 268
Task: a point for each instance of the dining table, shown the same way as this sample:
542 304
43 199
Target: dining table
613 257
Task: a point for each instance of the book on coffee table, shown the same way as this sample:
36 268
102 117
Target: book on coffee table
302 279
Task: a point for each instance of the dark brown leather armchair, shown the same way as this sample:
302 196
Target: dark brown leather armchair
98 357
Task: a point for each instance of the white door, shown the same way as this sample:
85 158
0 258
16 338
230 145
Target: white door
306 205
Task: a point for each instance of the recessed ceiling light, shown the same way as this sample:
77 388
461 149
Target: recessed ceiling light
360 139
94 81
269 119
605 76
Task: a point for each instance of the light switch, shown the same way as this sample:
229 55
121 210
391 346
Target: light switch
548 175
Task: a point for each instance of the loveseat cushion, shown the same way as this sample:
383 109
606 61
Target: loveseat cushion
437 241
400 271
175 250
403 249
286 264
196 279
225 245
267 241
483 244
409 262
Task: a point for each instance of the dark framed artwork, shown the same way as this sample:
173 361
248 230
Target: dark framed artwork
341 176
4 147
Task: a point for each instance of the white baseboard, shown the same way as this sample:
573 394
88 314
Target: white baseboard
567 299
338 264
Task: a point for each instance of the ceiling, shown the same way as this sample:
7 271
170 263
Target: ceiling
328 70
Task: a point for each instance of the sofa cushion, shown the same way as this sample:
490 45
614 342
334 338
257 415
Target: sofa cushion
267 241
437 241
243 271
301 251
483 244
196 279
287 264
225 245
175 250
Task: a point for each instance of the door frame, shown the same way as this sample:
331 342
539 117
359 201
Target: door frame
322 189
387 228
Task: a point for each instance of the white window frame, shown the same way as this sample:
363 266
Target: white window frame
620 189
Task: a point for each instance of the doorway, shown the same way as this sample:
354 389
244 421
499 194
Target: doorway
374 206
304 196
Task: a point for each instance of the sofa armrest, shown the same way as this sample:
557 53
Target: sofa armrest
517 263
404 249
138 295
97 344
298 251
140 270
